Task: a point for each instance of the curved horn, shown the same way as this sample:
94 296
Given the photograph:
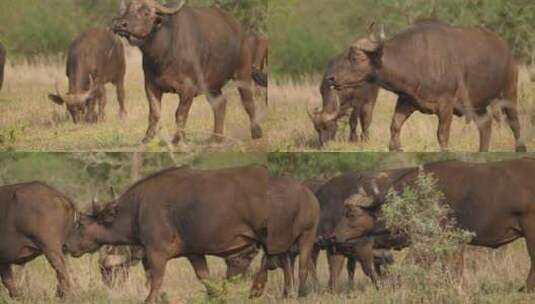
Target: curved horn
334 114
165 10
56 87
112 193
375 188
382 34
122 7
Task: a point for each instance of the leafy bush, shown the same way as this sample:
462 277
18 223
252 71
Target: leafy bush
421 212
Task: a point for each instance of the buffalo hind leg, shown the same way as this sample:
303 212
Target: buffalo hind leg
306 244
154 96
6 272
249 105
445 117
528 228
403 111
353 123
181 116
484 125
511 113
102 101
219 106
119 85
351 265
260 279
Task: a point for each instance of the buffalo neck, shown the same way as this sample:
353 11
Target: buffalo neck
390 76
157 45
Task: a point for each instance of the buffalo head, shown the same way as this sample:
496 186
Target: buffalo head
87 235
359 62
78 104
325 123
140 18
358 220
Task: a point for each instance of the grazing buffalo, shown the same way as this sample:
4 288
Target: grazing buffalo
291 230
492 200
258 44
337 102
464 78
96 57
189 51
35 219
2 63
366 250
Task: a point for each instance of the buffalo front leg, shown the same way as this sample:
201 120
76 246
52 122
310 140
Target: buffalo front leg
249 105
154 96
353 123
102 101
156 263
287 269
6 272
260 279
181 116
366 115
351 265
57 261
484 125
403 111
120 98
219 106
306 244
200 266
336 264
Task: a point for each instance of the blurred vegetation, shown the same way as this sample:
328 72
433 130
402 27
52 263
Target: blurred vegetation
32 29
306 34
307 165
81 175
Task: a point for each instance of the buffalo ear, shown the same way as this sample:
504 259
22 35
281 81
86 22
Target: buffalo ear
56 99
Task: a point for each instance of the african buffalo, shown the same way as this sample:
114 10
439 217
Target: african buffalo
95 58
291 230
189 51
338 101
2 63
493 200
35 219
332 197
439 69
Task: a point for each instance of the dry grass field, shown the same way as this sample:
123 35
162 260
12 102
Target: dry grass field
31 122
291 129
490 276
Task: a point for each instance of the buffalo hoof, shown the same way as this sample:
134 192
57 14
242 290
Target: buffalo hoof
256 292
364 138
216 138
353 138
123 115
521 148
395 149
256 132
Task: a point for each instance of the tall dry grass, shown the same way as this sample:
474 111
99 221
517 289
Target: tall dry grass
292 130
31 122
490 276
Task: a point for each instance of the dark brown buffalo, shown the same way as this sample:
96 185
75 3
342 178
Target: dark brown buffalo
292 226
464 78
189 51
258 44
333 197
493 200
95 58
2 63
337 102
35 219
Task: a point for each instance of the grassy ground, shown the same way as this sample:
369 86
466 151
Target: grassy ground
490 276
292 130
30 122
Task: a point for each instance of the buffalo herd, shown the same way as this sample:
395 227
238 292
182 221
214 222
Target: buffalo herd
237 212
476 77
186 51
